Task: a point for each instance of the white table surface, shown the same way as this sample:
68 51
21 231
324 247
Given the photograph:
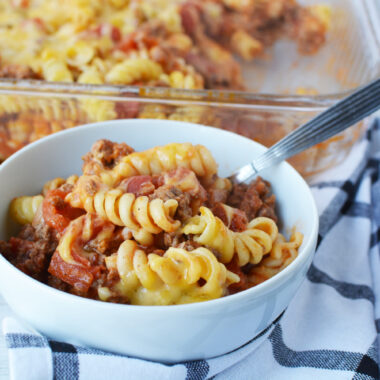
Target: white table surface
4 311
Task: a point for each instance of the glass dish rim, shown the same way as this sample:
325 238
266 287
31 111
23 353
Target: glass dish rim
162 95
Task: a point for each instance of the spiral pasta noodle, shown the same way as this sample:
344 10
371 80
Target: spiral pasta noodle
256 241
171 278
105 203
57 71
124 209
249 246
282 254
57 182
245 45
83 229
98 110
51 109
160 159
177 79
134 69
23 209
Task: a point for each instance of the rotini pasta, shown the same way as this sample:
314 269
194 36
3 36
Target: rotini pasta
142 236
79 232
160 159
56 71
187 81
98 110
282 254
245 45
134 69
126 210
57 182
249 246
23 209
163 43
157 227
52 109
138 41
171 278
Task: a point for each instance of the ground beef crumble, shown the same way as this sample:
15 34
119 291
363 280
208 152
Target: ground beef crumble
255 199
184 210
237 222
215 196
104 154
31 251
189 245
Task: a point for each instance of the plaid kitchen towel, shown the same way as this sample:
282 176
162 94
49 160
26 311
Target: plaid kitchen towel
329 331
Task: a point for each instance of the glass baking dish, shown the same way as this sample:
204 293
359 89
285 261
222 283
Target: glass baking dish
286 90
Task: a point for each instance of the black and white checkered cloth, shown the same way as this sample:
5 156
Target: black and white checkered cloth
329 331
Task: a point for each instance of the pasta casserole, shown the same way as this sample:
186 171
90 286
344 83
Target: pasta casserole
187 44
170 44
157 227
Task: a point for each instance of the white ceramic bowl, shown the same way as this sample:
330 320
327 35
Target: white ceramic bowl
160 333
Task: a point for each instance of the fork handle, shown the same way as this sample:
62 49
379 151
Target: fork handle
342 115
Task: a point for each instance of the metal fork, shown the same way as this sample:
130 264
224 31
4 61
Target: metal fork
335 119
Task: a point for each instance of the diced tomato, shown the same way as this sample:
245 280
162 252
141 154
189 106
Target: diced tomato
158 180
40 23
56 212
138 185
134 184
79 276
132 41
150 42
106 30
20 3
96 31
128 44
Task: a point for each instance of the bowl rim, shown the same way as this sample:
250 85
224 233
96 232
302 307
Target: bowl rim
307 248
